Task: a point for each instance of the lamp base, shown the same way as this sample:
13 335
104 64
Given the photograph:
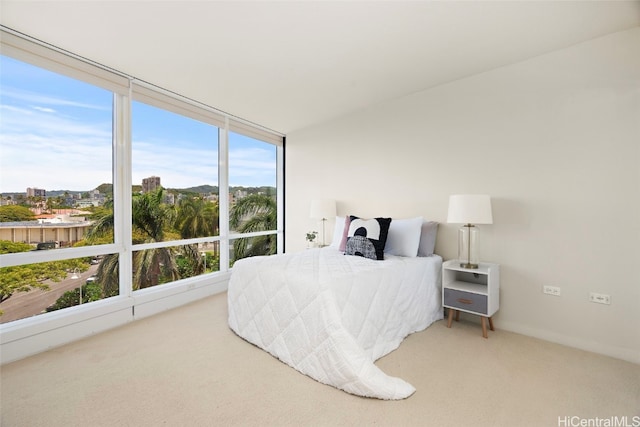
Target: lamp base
468 246
468 265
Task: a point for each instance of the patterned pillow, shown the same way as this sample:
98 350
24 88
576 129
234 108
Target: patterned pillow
367 237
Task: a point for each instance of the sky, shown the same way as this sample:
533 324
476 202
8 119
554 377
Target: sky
56 134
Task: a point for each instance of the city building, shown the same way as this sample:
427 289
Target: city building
36 192
63 229
150 184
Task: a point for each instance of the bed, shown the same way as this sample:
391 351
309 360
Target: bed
331 316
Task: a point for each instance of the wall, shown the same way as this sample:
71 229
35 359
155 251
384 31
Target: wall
554 140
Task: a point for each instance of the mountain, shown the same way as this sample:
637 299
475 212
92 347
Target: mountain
105 188
200 189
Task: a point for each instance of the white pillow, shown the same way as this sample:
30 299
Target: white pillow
428 238
404 237
338 229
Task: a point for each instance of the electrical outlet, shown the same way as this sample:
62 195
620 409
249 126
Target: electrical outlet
551 290
599 298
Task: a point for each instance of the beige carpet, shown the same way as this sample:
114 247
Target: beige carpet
186 368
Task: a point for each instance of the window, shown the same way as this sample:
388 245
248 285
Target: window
252 196
109 185
56 177
56 155
175 194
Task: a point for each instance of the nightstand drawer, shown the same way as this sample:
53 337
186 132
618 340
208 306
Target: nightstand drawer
465 301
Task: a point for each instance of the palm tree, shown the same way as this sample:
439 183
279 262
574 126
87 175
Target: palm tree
197 218
256 212
150 218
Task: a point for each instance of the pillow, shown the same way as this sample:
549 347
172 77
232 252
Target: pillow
338 231
404 237
428 238
345 232
367 237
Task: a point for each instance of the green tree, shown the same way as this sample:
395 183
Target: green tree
90 292
196 218
98 212
11 213
150 220
24 278
256 212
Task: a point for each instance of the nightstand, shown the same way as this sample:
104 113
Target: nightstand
475 291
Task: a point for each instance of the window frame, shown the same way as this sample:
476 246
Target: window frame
129 305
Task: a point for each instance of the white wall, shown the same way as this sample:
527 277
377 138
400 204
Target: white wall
554 140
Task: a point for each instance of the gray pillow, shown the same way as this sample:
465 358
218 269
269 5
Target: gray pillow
428 238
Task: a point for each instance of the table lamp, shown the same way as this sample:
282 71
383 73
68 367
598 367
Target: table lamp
469 209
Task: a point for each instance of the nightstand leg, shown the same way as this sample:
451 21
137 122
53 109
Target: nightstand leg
484 327
457 315
491 324
450 318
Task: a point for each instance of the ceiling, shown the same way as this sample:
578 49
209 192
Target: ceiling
289 65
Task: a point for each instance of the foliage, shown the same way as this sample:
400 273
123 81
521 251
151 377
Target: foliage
10 213
104 239
213 262
98 211
152 221
23 278
107 276
311 236
9 247
106 189
186 268
256 212
197 218
90 292
150 215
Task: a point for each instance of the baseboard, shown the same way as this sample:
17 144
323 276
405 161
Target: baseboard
154 303
623 353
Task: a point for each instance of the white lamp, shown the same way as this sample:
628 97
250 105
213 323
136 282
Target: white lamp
323 209
469 209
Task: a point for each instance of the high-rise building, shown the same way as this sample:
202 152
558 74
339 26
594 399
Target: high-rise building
150 184
36 192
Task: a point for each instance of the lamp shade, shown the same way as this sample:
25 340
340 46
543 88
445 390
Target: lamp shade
322 209
470 209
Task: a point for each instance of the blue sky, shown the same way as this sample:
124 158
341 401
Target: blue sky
55 133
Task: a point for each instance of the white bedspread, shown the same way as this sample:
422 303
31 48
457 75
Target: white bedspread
330 316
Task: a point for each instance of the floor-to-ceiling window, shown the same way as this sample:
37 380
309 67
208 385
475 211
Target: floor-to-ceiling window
56 176
253 196
175 177
110 186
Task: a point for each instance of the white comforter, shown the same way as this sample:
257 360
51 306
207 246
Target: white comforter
330 316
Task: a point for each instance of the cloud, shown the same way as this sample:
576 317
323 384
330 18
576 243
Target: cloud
44 110
23 96
253 166
45 151
49 148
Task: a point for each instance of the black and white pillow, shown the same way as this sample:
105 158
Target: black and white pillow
367 237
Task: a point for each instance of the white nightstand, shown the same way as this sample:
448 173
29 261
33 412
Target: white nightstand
475 291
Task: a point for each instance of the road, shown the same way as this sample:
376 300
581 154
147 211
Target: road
27 304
